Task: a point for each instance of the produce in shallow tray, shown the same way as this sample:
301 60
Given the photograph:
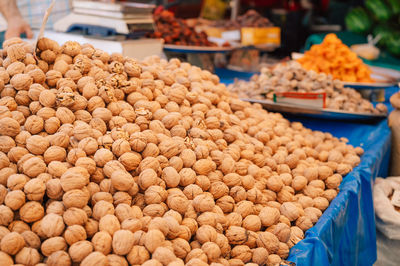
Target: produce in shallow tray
107 160
176 31
249 19
335 58
292 77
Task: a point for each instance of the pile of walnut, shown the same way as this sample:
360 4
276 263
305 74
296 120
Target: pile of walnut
291 76
109 161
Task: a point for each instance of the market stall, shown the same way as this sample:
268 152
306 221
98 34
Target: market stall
106 159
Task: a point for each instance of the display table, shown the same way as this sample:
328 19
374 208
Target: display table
345 233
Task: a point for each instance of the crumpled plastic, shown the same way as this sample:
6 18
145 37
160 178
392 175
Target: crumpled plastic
387 222
387 218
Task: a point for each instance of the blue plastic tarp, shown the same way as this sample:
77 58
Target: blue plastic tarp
345 233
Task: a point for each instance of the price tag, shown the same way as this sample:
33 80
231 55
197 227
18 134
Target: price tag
396 198
309 99
231 35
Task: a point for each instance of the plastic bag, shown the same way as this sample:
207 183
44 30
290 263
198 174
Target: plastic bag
394 124
387 222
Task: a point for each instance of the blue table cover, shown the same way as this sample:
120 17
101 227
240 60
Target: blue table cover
345 233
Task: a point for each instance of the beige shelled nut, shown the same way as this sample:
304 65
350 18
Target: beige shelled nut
79 250
12 243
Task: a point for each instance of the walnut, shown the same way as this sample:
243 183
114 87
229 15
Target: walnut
15 68
37 75
311 173
9 127
65 115
343 169
324 172
71 48
211 250
269 216
252 223
138 255
28 256
75 216
164 255
188 157
296 235
102 156
59 257
147 178
15 199
48 44
269 241
31 211
75 198
122 180
203 202
321 203
260 255
12 243
37 144
53 244
79 250
74 233
52 225
226 203
31 239
82 130
274 183
333 181
115 260
102 242
18 226
187 176
289 210
95 258
109 223
153 240
130 160
204 166
171 177
242 252
236 235
304 223
329 194
21 81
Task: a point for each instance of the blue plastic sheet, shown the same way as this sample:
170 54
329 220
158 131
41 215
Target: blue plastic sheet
345 233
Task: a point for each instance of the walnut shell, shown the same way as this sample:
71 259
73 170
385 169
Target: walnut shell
12 243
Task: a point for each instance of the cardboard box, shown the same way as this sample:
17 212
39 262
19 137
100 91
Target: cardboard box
261 36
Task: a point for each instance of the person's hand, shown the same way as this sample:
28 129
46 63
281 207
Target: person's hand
18 26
